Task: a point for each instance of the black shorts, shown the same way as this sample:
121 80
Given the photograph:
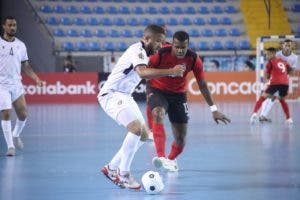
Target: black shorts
175 104
282 90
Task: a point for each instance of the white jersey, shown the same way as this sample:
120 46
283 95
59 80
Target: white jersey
12 54
123 77
292 59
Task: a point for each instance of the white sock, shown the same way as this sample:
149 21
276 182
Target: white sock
128 150
115 161
266 107
18 127
6 127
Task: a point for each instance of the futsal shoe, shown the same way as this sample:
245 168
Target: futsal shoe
128 181
11 151
18 143
253 118
171 165
158 161
264 119
289 121
112 175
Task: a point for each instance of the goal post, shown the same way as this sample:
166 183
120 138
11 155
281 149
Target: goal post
275 41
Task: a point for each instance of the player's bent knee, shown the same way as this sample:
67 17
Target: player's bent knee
135 127
5 114
144 133
158 114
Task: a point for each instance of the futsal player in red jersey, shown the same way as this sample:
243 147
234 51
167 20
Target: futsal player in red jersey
276 72
168 95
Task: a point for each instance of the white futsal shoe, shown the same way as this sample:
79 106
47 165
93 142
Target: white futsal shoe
167 164
128 181
253 118
18 143
11 151
289 121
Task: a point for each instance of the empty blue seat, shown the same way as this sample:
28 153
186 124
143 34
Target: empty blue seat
186 21
151 10
217 45
172 21
59 9
79 21
217 10
82 46
296 8
124 10
230 45
207 33
189 10
234 32
127 33
145 21
221 32
194 32
156 1
132 21
72 9
46 9
225 21
66 21
86 33
72 33
58 32
196 1
122 46
138 10
99 10
177 10
94 46
159 21
164 10
112 10
230 9
182 1
100 33
169 33
199 21
203 45
52 21
192 46
207 1
68 46
114 33
213 21
139 33
106 21
119 21
244 44
86 10
93 21
109 46
203 10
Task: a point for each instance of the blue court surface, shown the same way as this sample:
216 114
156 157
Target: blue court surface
65 145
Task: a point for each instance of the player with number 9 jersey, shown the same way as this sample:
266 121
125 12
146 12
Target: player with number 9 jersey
277 69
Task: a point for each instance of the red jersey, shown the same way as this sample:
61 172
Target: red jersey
164 59
278 71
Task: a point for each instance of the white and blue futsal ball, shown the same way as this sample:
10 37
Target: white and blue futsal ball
152 182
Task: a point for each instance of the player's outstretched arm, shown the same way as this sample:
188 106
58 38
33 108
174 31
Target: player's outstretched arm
148 73
218 116
29 71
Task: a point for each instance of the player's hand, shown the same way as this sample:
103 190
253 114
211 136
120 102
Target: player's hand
40 83
179 70
218 116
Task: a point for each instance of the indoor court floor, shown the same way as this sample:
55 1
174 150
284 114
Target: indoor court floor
66 144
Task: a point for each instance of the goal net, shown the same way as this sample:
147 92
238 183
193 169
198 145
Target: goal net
276 41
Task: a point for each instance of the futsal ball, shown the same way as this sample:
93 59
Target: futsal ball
152 182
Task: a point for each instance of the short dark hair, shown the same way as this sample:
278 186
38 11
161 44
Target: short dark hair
153 28
287 40
271 49
181 36
8 18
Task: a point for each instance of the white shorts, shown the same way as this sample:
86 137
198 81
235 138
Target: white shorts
114 103
8 94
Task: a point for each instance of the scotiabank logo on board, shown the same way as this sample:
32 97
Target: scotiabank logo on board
63 88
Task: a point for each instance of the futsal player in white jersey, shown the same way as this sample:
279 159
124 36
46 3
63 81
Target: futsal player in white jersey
116 100
13 55
287 55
